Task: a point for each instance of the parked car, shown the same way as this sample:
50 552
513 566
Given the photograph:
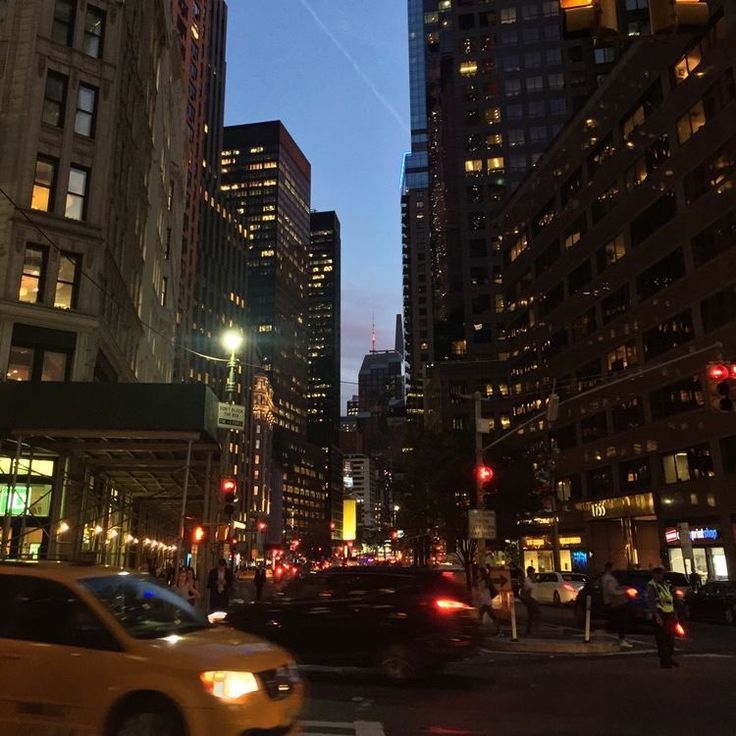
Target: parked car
635 584
715 601
559 587
405 620
97 651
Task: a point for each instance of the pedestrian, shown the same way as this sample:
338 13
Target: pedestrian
220 584
487 593
193 596
259 580
616 603
529 599
184 586
695 581
662 607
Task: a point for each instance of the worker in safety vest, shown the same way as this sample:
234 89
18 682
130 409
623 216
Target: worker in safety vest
662 606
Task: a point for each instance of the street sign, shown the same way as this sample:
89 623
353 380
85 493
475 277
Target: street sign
230 416
481 524
501 579
686 543
483 426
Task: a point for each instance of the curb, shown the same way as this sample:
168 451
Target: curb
551 646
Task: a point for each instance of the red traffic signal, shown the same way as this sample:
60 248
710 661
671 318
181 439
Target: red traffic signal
262 526
198 534
394 534
719 372
484 473
228 485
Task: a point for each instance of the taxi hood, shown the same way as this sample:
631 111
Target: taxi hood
217 648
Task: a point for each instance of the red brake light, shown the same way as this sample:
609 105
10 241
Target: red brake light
632 593
447 605
570 588
718 372
448 574
679 592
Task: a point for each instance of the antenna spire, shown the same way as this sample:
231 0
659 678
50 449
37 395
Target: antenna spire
373 332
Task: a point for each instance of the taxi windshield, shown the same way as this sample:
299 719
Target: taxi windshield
146 608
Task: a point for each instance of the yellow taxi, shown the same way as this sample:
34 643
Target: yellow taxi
90 650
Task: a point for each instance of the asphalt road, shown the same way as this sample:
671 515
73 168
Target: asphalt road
621 694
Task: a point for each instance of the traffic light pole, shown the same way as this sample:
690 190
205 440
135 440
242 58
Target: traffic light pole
183 515
478 463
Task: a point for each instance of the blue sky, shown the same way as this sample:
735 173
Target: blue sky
335 72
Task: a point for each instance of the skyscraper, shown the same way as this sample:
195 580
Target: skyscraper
324 328
381 381
490 87
267 180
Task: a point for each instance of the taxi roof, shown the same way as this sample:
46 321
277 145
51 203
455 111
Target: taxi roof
58 570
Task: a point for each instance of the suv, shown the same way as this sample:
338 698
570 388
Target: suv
635 583
97 650
405 620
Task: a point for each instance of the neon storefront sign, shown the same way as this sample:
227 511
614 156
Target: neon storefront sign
699 534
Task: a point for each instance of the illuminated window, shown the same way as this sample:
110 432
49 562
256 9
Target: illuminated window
492 115
495 163
508 15
431 18
459 347
634 121
519 247
687 63
34 275
67 282
635 174
44 184
445 4
469 68
473 166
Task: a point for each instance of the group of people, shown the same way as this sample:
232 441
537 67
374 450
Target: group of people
220 582
616 602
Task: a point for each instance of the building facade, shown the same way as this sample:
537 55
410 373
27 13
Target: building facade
324 328
91 214
619 283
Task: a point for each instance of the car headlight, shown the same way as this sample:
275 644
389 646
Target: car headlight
231 687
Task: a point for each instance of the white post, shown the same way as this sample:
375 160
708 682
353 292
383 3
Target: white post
514 636
587 619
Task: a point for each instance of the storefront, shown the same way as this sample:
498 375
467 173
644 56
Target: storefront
538 552
622 530
705 551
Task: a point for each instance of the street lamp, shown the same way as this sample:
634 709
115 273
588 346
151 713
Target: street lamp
232 341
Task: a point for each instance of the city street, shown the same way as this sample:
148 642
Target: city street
529 695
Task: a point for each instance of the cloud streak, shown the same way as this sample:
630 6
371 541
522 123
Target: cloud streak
358 69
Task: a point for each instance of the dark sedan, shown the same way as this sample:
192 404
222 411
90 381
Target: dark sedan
407 621
715 601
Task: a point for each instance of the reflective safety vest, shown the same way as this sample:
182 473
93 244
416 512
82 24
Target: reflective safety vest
664 596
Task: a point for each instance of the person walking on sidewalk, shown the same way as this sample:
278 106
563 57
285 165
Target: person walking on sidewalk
488 592
616 603
529 599
220 585
259 580
662 606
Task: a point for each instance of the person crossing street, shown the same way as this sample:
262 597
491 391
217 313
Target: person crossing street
662 606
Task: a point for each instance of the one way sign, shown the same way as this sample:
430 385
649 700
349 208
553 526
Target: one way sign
501 579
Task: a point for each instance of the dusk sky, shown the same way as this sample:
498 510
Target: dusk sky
335 72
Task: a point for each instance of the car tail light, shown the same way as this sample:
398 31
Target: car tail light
448 605
569 588
632 593
679 592
278 572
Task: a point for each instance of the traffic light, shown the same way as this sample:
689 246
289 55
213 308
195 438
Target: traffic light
198 535
668 15
228 487
598 17
721 381
394 534
262 526
484 474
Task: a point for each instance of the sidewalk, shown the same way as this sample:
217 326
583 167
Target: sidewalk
549 638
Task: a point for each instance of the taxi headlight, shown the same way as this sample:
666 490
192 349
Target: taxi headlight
231 687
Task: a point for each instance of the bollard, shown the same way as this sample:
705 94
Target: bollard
587 619
514 636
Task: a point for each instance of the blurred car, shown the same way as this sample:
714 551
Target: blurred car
559 587
715 601
405 620
634 583
96 651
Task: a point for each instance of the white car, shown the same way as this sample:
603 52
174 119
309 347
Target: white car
559 587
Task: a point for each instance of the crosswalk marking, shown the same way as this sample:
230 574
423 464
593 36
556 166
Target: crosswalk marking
337 728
